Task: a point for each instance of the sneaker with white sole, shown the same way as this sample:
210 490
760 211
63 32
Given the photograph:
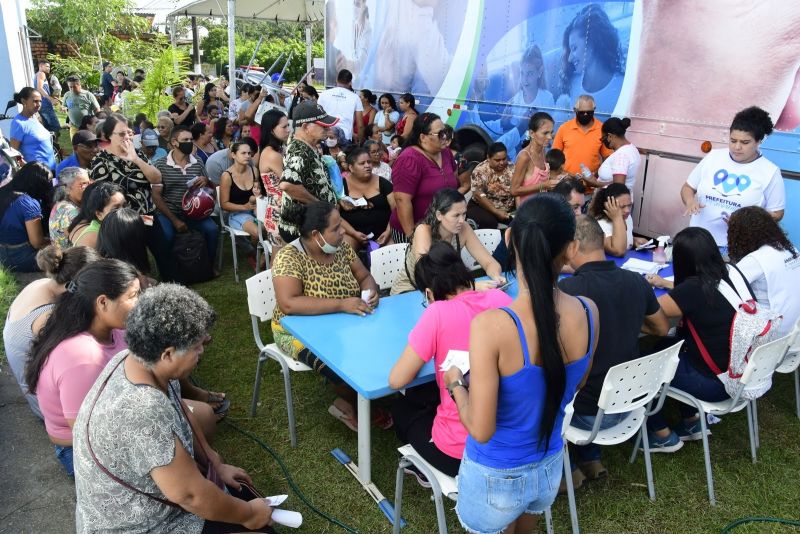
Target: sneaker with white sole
669 443
691 431
422 480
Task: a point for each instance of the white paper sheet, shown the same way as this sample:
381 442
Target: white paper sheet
459 358
641 266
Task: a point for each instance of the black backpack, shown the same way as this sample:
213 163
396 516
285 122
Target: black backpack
192 264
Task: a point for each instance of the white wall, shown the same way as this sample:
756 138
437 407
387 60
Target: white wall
15 62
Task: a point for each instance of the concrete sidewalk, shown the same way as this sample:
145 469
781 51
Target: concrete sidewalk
36 495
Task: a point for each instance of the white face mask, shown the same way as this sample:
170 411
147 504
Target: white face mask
326 247
331 142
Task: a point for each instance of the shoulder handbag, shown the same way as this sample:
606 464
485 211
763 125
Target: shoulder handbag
192 264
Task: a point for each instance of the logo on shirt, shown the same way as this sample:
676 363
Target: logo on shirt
731 184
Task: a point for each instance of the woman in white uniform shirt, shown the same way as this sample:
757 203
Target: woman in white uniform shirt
769 261
733 178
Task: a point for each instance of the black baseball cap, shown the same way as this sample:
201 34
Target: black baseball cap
311 112
83 137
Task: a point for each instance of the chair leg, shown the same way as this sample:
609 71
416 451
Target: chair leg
398 494
287 386
751 430
256 386
573 511
220 251
636 445
235 259
797 390
548 520
707 458
258 257
648 467
755 424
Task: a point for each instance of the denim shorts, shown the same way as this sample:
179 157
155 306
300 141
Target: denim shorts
64 456
490 499
237 220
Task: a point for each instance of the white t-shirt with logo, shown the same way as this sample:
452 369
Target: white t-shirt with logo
724 186
625 160
774 276
608 229
341 103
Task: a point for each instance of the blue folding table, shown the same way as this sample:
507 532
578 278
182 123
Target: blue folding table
362 351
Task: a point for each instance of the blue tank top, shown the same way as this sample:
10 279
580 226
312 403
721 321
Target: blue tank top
520 404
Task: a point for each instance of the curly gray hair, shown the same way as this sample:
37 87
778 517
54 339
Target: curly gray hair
168 315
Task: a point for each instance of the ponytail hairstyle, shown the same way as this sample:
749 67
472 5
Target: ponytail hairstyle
614 190
74 310
24 94
61 266
442 271
616 126
422 125
754 121
542 229
409 99
314 216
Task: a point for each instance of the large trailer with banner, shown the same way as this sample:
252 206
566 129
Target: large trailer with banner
679 69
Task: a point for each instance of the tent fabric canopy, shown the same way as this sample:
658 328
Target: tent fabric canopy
280 10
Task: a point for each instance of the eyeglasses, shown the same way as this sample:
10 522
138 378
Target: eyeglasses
441 134
126 133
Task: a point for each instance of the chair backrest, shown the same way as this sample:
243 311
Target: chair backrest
633 384
762 363
791 361
261 295
489 238
386 264
221 213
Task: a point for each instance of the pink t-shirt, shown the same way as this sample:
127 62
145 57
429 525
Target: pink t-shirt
444 326
68 375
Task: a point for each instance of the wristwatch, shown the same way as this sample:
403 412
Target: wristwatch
453 385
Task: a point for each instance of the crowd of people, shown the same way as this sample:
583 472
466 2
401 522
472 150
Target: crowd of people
103 350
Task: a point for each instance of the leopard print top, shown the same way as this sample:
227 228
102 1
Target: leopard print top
331 281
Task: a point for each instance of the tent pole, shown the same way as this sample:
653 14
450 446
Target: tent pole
232 47
309 51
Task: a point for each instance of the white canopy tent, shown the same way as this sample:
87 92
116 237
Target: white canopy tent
277 10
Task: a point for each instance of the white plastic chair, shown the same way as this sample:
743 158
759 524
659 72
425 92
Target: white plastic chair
638 388
225 228
791 364
757 373
441 484
261 302
489 238
386 263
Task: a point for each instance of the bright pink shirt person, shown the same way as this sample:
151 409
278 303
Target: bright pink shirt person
420 177
67 376
444 326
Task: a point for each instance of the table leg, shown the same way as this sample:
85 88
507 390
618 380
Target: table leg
364 440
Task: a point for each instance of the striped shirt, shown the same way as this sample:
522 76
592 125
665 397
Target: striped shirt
174 178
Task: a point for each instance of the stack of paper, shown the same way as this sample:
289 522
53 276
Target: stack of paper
641 266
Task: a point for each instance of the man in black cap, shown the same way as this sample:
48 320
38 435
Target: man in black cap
84 149
305 178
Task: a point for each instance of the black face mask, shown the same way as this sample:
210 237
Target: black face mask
584 117
186 147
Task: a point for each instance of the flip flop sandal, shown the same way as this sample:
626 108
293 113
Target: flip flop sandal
350 422
382 419
594 470
222 409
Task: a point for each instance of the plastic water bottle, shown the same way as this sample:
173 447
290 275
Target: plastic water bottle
659 254
585 171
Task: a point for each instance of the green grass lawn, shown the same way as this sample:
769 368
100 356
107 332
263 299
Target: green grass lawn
618 504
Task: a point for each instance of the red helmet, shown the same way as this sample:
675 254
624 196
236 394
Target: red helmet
198 203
